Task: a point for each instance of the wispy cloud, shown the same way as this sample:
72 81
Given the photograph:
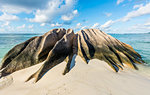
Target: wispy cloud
147 24
56 25
142 10
69 16
96 25
78 26
137 6
42 24
30 26
139 28
12 9
119 1
21 27
84 27
18 6
108 14
5 24
8 17
107 24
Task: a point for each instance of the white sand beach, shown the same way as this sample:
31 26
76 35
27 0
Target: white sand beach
95 78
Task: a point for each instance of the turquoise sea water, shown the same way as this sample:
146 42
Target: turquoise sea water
140 42
8 41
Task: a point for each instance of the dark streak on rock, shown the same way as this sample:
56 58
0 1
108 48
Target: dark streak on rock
116 55
90 46
82 50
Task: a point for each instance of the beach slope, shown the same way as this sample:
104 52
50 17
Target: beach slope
95 78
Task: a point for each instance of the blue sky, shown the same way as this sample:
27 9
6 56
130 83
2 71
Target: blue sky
38 16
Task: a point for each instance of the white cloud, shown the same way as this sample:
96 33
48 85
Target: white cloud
44 11
14 9
11 28
107 24
30 26
84 27
143 10
108 14
17 6
70 16
139 28
42 24
75 12
147 24
119 1
78 26
96 25
21 27
2 30
67 18
54 9
5 24
56 25
8 17
137 6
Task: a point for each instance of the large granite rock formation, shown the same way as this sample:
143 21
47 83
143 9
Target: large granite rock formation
59 44
94 43
60 51
30 52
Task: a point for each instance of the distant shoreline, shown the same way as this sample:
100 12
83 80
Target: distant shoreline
129 33
21 33
43 33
